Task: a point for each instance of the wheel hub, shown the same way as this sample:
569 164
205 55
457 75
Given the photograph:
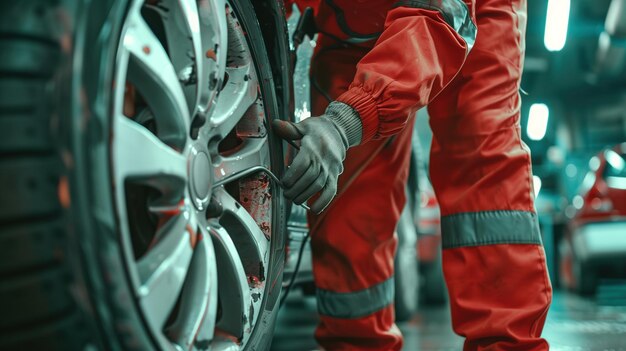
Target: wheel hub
200 176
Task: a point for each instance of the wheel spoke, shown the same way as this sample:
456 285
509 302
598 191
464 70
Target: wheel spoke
254 152
239 94
233 285
167 208
151 71
214 30
162 270
182 28
225 343
139 153
195 322
250 242
252 248
190 16
190 11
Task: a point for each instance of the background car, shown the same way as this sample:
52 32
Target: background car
418 268
428 224
594 246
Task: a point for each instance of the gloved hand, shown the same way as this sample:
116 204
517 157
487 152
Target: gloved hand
323 146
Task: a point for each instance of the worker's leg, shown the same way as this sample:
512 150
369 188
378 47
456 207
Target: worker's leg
353 247
494 263
353 240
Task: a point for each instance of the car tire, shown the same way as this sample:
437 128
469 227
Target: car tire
406 269
67 283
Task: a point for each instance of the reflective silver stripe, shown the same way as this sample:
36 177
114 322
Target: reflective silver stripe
355 304
488 228
455 13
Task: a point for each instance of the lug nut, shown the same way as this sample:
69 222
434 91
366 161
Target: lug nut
197 122
214 209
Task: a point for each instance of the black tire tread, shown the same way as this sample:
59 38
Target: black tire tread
37 244
25 58
21 97
39 308
29 19
42 290
59 332
29 186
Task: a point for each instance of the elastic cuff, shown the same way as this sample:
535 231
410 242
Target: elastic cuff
347 119
365 106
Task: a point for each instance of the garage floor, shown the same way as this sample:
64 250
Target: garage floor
574 323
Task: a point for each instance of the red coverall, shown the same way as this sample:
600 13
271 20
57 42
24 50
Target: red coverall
386 59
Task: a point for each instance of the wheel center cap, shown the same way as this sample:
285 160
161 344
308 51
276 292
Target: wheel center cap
200 177
201 172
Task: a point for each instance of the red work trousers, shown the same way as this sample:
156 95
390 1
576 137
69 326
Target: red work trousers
494 264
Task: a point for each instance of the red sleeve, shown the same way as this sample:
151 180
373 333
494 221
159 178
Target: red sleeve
416 56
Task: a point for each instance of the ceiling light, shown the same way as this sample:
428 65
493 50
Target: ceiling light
537 121
557 20
536 185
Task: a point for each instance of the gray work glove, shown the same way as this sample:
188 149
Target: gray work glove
324 141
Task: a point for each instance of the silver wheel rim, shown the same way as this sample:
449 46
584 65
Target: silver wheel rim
197 253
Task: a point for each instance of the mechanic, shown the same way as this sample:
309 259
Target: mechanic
375 64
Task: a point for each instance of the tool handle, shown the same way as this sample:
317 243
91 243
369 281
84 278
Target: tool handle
306 26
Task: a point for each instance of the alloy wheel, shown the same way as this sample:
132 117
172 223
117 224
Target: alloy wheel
188 122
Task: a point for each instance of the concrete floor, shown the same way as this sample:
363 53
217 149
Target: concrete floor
574 324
